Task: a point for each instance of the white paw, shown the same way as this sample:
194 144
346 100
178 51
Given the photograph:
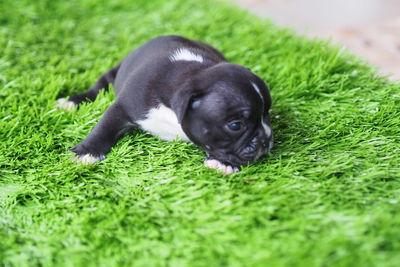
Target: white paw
87 159
219 166
65 104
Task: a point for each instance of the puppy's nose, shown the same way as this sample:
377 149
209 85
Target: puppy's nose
265 143
260 134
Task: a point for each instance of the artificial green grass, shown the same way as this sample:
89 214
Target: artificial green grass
328 195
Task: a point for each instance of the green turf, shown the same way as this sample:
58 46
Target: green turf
328 195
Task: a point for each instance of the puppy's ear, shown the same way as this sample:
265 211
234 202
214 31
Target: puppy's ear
185 100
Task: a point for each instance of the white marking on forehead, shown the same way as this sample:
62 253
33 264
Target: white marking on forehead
185 54
267 129
162 122
257 90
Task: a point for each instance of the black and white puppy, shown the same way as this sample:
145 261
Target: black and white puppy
176 88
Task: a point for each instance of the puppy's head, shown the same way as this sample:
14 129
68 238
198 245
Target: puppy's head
224 110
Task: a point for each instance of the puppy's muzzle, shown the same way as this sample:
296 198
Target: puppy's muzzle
257 147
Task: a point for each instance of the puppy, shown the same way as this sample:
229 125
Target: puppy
176 88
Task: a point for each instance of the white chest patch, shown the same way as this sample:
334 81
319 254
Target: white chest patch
162 122
185 54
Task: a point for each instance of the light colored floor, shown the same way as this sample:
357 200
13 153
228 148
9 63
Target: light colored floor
369 28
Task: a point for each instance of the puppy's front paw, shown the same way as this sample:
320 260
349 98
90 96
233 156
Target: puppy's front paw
84 155
219 166
87 159
63 103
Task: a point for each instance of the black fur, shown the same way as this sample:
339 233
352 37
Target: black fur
204 96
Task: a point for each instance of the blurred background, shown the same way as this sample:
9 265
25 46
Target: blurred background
368 28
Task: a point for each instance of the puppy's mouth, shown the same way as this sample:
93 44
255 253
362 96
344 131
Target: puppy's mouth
254 150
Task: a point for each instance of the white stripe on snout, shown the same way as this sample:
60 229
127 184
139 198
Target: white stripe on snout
162 122
266 128
185 54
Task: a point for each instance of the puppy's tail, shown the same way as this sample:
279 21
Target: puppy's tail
102 83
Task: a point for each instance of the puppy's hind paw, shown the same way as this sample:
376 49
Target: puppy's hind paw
63 103
219 166
87 159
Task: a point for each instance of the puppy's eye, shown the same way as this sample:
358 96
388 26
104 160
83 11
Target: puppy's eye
235 126
194 103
